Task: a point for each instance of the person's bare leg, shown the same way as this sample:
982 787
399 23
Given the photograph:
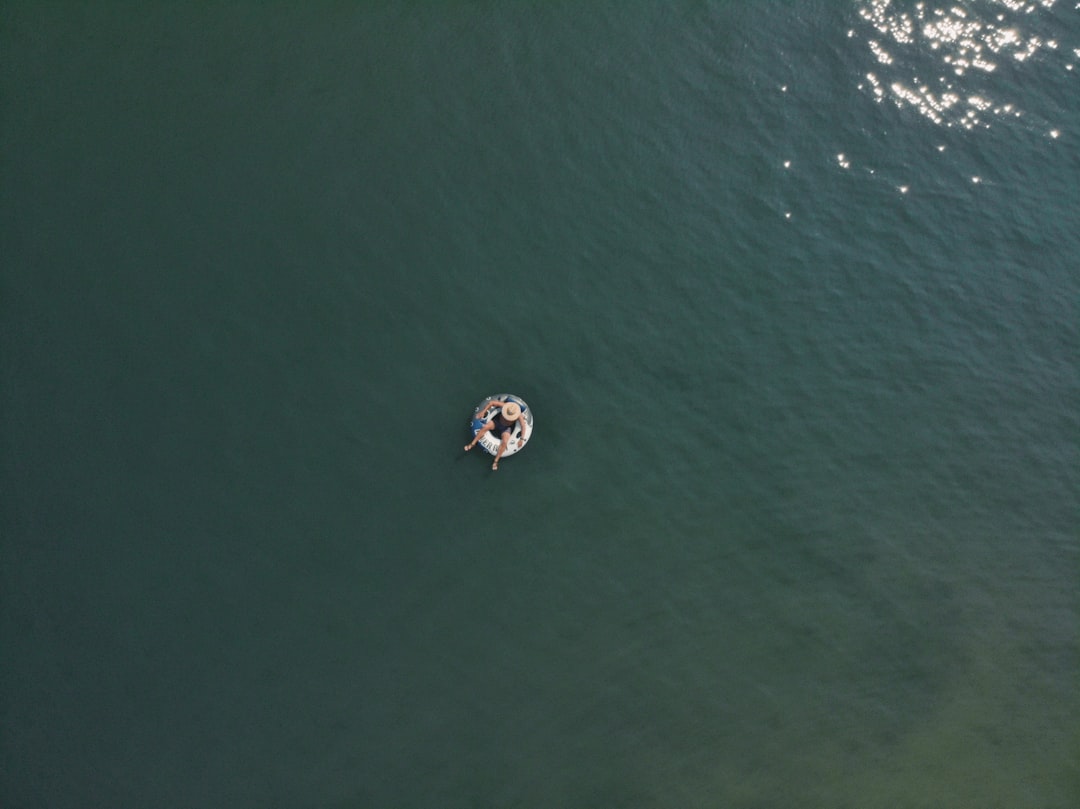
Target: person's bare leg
479 434
502 448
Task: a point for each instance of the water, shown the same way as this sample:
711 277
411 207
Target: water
793 301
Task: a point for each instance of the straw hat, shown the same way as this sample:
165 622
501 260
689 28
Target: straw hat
511 411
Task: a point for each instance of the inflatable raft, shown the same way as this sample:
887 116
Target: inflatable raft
522 428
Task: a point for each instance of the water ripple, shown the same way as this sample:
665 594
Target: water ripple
947 61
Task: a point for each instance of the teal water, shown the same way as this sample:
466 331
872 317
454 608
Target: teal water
798 525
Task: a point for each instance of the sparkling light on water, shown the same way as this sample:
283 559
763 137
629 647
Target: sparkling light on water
961 40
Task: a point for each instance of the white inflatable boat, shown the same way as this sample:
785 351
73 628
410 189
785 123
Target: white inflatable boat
522 427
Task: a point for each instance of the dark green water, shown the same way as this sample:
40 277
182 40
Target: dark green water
798 524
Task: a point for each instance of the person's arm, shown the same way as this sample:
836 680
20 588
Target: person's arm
491 404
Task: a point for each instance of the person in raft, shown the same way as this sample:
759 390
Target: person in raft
502 425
